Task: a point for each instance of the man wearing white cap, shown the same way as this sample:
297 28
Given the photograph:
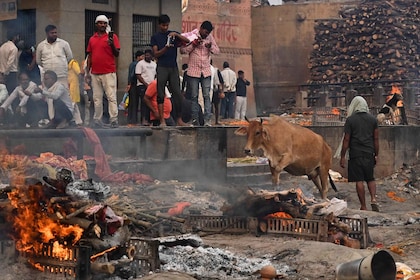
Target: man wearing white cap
103 48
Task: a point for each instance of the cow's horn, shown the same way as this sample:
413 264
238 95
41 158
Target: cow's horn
246 119
261 119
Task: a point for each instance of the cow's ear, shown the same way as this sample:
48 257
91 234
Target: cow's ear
265 134
241 131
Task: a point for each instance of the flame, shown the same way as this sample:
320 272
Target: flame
396 89
35 223
335 111
280 215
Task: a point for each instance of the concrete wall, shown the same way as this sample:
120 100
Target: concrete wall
282 42
397 145
200 154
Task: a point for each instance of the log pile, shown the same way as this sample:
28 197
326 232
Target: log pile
377 40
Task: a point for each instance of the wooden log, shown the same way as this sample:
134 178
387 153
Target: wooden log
140 223
81 222
78 211
167 217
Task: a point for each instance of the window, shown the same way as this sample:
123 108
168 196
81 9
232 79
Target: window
143 28
25 24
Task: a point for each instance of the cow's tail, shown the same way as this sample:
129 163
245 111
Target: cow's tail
332 183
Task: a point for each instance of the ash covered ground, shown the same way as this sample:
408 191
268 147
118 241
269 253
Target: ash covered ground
395 228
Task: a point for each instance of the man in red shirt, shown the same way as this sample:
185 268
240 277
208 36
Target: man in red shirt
150 98
103 48
199 71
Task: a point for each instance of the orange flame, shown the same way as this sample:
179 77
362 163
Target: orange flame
396 89
34 220
335 111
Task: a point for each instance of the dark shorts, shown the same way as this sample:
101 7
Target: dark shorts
361 169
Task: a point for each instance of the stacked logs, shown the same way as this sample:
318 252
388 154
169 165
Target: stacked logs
377 40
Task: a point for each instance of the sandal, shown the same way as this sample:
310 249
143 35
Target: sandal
375 206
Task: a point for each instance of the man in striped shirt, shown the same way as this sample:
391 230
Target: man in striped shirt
199 70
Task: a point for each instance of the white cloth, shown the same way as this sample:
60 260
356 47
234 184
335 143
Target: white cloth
240 107
18 92
55 56
147 70
229 78
59 91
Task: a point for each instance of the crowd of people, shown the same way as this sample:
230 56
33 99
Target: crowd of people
45 86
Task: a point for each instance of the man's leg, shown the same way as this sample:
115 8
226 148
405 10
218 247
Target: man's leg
243 109
360 188
110 86
133 98
175 89
238 107
98 95
205 88
162 76
193 85
231 105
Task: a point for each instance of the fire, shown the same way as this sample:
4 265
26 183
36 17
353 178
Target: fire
35 221
396 89
35 224
335 111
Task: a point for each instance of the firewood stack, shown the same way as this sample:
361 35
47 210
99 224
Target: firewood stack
377 40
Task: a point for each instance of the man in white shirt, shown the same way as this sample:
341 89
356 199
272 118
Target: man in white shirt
9 60
145 73
54 54
227 109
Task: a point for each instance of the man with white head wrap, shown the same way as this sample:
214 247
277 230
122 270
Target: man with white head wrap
361 138
102 49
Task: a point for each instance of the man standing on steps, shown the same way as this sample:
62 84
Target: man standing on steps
199 69
164 44
102 49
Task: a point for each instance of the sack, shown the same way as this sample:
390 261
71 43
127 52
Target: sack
221 95
124 102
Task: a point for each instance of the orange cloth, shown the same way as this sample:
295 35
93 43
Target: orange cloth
102 168
179 208
151 92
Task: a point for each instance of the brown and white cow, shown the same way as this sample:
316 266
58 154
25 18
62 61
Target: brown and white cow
293 148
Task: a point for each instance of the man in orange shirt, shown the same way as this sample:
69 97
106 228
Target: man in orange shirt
150 98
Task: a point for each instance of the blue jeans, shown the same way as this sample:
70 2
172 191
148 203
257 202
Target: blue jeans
205 82
228 105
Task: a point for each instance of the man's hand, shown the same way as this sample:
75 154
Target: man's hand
196 42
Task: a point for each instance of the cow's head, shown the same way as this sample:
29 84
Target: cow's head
257 135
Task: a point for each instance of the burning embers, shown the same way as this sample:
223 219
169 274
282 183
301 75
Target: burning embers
35 221
58 223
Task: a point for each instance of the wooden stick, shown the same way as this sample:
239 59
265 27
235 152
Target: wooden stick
167 217
78 211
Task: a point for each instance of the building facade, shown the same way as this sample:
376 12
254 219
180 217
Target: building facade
134 21
232 30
